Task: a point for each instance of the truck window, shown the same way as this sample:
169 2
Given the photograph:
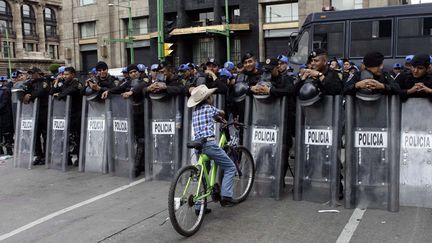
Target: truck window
414 36
374 35
329 37
301 50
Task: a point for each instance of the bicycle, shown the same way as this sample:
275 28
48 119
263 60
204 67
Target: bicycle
193 184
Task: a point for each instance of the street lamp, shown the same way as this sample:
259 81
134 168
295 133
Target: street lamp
129 40
8 47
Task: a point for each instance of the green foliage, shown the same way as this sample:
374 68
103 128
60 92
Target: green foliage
53 68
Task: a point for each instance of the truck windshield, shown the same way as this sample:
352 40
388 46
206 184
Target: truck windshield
301 49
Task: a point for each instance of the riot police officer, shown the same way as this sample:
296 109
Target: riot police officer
6 117
38 87
418 83
372 80
100 83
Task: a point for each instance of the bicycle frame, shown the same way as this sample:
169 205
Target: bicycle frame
203 158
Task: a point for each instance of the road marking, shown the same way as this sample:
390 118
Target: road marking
351 226
68 209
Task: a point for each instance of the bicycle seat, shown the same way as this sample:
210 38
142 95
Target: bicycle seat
195 145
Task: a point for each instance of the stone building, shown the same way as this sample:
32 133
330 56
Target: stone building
95 30
30 33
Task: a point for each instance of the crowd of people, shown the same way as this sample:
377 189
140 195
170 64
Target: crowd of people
321 75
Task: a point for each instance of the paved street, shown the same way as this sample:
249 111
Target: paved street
42 205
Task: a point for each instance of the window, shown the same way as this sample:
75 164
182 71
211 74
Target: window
86 2
347 4
301 48
203 49
88 30
415 36
330 37
375 35
28 20
30 47
235 50
5 48
281 12
139 26
5 18
207 16
50 23
52 51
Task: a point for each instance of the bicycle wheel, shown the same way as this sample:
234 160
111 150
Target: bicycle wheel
186 214
245 175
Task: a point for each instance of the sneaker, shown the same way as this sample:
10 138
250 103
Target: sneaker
227 202
206 211
37 161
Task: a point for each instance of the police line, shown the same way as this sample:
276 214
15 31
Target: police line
376 145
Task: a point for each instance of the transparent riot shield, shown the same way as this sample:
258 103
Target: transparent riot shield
188 155
163 116
93 144
58 133
121 141
266 138
318 129
416 153
25 133
372 152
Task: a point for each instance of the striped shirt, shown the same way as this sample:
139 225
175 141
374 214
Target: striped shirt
203 122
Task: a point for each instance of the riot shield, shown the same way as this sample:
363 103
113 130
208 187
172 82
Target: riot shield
372 152
415 153
163 116
25 133
58 133
267 141
318 129
121 141
93 144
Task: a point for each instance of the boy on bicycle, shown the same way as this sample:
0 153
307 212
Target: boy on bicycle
203 123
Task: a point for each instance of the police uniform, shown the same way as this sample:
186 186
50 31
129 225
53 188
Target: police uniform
39 88
409 81
6 117
72 88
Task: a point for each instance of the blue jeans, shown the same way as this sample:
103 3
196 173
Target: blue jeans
217 154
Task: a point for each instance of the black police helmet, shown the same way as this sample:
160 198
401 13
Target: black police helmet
309 93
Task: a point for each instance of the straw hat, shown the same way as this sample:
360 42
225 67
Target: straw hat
199 94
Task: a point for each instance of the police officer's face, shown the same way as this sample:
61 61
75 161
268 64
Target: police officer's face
103 73
333 65
249 64
214 68
134 74
153 74
419 71
275 72
68 75
319 63
21 77
376 70
396 70
346 66
282 67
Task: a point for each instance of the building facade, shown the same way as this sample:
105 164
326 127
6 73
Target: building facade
30 34
97 30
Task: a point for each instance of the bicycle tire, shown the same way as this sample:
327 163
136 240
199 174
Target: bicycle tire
242 185
179 200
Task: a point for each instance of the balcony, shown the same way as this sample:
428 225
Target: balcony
31 36
52 37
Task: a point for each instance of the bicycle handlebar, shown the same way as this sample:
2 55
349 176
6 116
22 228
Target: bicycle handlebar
234 123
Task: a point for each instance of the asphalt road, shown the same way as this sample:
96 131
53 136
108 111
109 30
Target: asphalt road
42 205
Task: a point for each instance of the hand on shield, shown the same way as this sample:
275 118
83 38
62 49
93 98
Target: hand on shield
127 94
27 98
105 94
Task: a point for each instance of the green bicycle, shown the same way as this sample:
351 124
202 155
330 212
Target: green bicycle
193 184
